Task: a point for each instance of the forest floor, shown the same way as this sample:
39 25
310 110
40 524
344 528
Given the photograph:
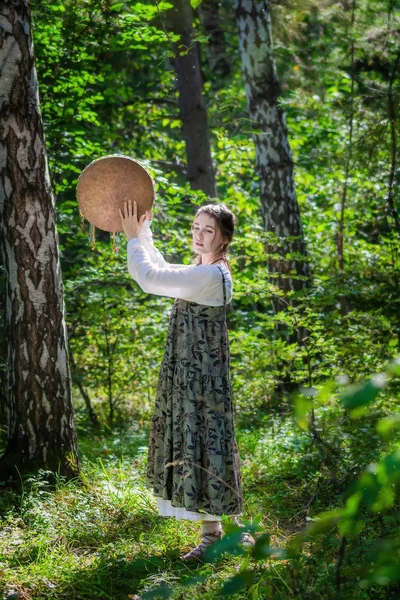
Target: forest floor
100 536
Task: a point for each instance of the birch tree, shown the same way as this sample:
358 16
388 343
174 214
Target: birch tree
41 431
274 162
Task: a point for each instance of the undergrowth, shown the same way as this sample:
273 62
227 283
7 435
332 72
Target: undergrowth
100 536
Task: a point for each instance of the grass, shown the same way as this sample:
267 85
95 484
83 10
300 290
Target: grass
100 536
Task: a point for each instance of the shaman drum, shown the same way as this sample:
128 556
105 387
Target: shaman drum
108 182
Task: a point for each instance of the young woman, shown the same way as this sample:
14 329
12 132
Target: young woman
193 460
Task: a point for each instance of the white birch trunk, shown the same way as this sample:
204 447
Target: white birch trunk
41 430
274 163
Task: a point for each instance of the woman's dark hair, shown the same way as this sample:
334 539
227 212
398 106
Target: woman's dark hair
225 221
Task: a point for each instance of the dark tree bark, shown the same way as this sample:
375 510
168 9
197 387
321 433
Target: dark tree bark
3 406
393 148
274 162
193 112
41 431
216 48
3 351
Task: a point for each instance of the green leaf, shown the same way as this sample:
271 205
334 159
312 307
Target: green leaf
261 548
236 582
196 580
229 543
323 523
359 395
351 527
385 425
392 463
195 3
163 591
352 504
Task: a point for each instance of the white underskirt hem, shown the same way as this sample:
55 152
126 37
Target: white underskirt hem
165 509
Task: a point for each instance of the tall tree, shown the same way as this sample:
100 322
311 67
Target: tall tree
193 111
216 47
41 429
274 162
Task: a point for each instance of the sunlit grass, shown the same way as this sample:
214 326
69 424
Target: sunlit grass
100 536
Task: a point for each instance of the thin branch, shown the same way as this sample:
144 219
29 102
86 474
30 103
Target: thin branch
339 566
393 167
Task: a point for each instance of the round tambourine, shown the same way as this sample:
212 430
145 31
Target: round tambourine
108 182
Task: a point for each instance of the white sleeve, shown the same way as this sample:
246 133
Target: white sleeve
146 238
189 283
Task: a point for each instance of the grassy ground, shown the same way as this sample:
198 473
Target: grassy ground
101 537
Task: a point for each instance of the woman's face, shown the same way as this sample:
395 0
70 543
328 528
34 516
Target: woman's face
206 236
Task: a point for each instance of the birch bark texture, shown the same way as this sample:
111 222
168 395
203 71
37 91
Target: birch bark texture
274 162
41 432
193 111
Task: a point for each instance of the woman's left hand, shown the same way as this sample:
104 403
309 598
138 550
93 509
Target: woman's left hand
130 223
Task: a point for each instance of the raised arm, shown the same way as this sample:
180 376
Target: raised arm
188 282
146 238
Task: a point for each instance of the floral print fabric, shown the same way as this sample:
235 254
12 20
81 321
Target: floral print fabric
193 458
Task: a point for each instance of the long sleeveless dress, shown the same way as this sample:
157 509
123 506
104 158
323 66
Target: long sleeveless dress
193 463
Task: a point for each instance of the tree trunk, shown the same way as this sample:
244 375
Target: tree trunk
193 112
274 163
3 355
85 395
41 431
393 173
216 48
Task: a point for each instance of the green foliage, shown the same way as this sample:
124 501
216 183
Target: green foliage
195 3
376 489
100 535
330 458
107 85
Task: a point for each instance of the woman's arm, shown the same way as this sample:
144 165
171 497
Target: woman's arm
146 238
188 282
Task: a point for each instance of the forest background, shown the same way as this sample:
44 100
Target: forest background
320 462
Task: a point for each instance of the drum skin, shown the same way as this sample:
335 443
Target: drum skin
106 183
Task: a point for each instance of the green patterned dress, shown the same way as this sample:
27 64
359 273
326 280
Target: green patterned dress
193 461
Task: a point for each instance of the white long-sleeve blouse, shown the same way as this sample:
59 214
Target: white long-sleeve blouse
196 283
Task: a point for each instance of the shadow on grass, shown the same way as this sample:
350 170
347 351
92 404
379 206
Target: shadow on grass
128 441
116 576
